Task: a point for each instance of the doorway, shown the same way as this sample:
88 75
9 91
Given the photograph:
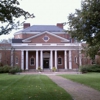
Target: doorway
46 63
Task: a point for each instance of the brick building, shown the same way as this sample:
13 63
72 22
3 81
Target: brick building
44 46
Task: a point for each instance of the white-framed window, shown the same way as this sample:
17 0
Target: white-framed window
59 60
16 60
32 61
76 60
46 38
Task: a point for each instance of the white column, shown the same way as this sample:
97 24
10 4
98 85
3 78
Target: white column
51 59
80 58
70 60
37 60
41 59
26 60
12 58
65 59
22 60
56 59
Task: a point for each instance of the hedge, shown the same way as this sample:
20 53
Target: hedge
90 68
9 69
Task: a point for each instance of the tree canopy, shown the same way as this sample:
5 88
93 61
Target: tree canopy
9 12
84 24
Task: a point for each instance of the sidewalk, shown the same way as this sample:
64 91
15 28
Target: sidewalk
76 90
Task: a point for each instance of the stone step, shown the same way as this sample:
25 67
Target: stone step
46 70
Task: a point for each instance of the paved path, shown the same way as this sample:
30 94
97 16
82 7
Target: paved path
76 90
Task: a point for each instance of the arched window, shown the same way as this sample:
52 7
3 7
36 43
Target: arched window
32 61
59 61
16 60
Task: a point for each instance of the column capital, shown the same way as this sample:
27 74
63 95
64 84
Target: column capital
22 50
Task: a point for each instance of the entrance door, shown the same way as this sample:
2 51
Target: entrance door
46 63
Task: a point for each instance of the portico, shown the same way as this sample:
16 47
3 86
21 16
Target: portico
60 59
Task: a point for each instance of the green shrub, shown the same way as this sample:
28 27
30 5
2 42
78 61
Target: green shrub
6 68
15 70
84 69
1 69
90 68
94 68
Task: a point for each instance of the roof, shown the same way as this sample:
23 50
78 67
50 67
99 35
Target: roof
42 28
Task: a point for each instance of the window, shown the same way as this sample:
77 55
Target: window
32 61
0 57
76 61
46 38
59 61
16 60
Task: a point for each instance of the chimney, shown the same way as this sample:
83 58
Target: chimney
26 25
60 25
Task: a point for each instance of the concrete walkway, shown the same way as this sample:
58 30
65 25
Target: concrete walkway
76 90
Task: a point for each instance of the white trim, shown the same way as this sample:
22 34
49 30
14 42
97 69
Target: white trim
46 40
55 59
65 58
61 49
51 59
22 59
41 59
70 60
25 40
47 44
37 60
26 59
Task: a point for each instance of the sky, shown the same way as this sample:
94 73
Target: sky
47 12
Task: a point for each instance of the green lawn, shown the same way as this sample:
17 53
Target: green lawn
90 79
30 87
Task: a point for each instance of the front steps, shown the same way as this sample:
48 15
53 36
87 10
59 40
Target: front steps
49 70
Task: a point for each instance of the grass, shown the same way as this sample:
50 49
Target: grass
30 87
90 79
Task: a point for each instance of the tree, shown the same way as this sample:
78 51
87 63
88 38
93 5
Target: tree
9 12
84 24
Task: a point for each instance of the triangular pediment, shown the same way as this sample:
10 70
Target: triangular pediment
46 36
